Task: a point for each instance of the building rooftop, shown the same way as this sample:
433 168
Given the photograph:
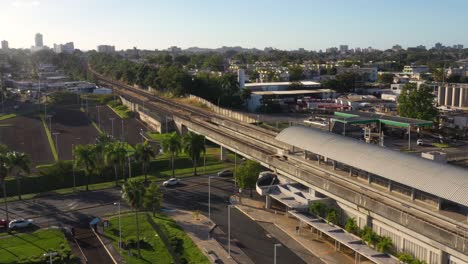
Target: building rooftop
293 92
442 180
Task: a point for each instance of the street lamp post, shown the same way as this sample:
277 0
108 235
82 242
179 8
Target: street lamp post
204 156
50 122
141 134
112 122
229 230
99 115
120 227
209 197
274 257
50 255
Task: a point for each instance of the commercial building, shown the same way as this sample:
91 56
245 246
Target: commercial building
286 97
38 40
369 74
68 48
5 45
453 95
279 86
106 49
344 48
415 69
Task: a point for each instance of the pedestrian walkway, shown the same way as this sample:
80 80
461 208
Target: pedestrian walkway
199 230
304 236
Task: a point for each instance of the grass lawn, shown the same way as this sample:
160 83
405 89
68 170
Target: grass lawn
156 136
31 245
154 249
441 145
121 110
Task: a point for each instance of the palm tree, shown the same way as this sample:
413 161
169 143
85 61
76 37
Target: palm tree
102 141
172 145
17 162
385 245
133 192
3 175
115 155
85 157
144 153
194 145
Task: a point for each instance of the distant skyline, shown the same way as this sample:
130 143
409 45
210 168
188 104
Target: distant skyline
293 24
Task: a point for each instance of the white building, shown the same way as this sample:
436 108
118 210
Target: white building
68 48
38 40
279 86
5 45
415 69
106 49
454 95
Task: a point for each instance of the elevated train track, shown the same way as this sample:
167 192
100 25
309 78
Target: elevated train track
262 144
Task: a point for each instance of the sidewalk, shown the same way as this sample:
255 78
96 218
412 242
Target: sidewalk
318 247
198 231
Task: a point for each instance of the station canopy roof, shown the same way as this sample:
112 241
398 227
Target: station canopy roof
366 117
442 180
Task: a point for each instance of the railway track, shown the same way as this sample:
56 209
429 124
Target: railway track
208 120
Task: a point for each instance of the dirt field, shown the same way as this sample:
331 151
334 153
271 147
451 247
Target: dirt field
131 127
74 128
26 134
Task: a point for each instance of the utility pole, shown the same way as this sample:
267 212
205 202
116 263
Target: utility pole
112 122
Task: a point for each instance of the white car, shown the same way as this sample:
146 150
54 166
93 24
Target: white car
20 223
420 142
171 182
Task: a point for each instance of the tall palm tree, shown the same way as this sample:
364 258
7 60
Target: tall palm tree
133 192
17 162
100 148
172 144
85 157
115 154
144 153
3 175
194 145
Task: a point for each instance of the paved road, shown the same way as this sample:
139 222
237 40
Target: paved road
255 241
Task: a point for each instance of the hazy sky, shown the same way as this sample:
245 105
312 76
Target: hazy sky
283 24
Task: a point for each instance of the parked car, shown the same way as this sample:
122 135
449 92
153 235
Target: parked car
225 173
420 142
4 223
20 223
171 182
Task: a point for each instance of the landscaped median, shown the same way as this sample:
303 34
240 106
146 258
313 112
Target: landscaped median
121 110
31 247
161 240
51 141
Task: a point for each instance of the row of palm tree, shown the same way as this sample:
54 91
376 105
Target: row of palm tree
192 144
12 163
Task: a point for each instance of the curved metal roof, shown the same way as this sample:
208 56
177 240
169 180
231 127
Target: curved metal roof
442 180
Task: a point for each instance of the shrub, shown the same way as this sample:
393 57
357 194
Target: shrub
405 258
351 225
333 216
384 245
318 209
369 236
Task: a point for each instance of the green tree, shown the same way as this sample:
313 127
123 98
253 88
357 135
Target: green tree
114 155
144 152
85 157
351 225
318 209
3 175
194 145
296 73
245 94
384 245
172 144
417 103
133 192
18 162
405 258
333 216
369 236
153 198
386 78
247 175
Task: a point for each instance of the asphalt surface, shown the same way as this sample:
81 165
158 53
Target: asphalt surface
256 242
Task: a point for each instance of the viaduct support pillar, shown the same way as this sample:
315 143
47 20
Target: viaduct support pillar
267 201
223 153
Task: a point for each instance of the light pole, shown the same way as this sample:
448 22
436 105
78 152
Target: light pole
56 142
99 115
229 229
50 255
112 121
141 134
204 156
274 257
235 169
209 197
73 167
50 122
120 227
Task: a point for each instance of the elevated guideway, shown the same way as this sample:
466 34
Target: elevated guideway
258 144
